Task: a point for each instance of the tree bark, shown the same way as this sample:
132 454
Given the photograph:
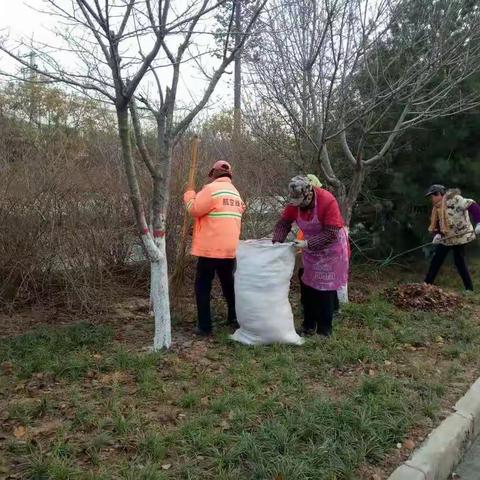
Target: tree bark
135 194
354 191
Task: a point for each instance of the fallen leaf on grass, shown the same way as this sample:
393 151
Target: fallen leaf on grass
3 469
7 368
225 425
167 466
114 377
19 432
47 427
410 444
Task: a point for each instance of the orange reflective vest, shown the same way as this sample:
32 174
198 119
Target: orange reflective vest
217 210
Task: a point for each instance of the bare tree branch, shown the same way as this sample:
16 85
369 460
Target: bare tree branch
140 140
387 145
217 75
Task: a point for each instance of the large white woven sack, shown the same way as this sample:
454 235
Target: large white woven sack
342 292
262 283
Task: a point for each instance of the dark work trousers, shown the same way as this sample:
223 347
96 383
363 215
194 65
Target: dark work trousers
441 252
336 304
318 310
206 269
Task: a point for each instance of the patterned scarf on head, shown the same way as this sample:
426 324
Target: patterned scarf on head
314 180
300 191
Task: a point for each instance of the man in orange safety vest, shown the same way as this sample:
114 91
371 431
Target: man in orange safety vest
217 210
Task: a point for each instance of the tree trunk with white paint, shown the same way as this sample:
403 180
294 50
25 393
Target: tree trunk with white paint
160 298
153 238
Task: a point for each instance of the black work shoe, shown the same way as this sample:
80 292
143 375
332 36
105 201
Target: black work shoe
308 332
322 336
202 333
234 324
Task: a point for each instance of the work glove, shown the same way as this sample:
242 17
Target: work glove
436 239
477 229
301 244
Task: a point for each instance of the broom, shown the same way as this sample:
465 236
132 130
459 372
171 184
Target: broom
177 279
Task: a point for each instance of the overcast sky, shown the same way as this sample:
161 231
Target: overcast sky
19 20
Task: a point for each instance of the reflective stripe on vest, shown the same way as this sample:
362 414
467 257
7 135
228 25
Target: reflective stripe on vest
225 215
221 193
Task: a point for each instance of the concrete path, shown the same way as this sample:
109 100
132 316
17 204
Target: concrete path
445 446
469 469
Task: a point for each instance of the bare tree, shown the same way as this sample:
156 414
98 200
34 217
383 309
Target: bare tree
237 81
349 76
117 44
239 12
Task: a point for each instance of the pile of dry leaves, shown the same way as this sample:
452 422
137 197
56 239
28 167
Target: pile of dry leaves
418 296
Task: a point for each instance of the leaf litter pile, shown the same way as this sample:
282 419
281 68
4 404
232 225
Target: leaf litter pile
419 296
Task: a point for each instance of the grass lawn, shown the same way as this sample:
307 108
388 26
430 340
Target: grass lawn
88 401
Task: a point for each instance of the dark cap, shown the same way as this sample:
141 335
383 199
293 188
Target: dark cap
220 168
434 189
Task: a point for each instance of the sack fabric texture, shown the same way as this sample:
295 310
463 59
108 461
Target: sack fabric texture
262 284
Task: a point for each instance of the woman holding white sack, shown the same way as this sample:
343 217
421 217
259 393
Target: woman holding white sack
324 250
342 292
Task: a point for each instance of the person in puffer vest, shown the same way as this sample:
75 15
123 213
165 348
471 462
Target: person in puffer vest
217 210
452 228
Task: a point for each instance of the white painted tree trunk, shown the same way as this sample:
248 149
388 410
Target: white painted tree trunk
159 291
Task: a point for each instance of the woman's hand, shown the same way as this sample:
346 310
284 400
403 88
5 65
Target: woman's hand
301 244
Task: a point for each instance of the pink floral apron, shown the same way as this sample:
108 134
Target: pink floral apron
328 268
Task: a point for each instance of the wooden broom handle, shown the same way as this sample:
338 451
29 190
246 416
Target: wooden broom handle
193 162
190 184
